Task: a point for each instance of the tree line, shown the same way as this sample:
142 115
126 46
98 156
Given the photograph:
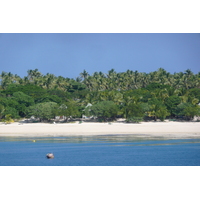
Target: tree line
132 95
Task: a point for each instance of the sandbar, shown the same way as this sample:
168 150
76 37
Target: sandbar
144 129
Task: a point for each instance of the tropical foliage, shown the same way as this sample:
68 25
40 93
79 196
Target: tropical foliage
131 95
104 110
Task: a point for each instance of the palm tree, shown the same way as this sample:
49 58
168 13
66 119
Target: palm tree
84 74
33 74
17 79
111 73
136 79
49 80
6 79
144 80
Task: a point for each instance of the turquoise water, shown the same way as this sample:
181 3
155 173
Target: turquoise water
99 151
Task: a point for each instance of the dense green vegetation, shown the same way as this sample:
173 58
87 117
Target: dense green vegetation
131 95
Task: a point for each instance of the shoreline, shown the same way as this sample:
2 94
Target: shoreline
144 129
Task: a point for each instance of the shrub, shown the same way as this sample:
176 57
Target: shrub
8 119
43 111
188 110
104 110
134 119
12 112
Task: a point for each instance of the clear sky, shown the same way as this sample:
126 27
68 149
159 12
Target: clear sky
68 54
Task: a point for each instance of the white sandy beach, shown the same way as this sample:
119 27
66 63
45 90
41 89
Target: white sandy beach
144 129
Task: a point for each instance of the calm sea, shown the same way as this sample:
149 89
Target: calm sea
99 151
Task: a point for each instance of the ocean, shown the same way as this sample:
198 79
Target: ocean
117 150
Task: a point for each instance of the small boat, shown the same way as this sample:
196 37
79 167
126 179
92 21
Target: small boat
50 155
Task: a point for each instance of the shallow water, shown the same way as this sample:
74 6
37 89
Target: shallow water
99 151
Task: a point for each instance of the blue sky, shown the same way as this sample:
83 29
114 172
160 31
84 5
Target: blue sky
68 54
